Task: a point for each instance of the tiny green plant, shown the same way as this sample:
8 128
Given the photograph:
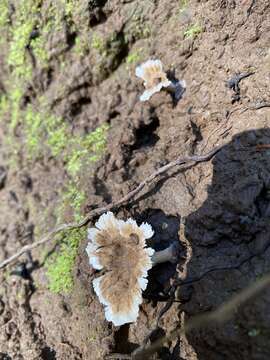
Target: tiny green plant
98 44
81 45
133 58
183 5
193 30
4 13
25 21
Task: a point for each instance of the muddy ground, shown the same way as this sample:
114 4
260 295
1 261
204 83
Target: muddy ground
218 210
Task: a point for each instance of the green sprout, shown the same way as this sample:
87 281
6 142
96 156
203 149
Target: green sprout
81 45
4 13
183 5
98 44
133 58
193 30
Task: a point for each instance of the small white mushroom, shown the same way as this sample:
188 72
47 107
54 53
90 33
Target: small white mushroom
155 79
169 254
118 248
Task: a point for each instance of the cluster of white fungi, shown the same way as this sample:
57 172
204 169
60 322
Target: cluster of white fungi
118 248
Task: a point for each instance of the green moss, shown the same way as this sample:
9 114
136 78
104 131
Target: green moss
32 125
57 135
57 139
88 149
98 44
70 7
45 132
42 132
109 54
133 58
39 49
4 13
4 106
137 31
193 30
183 5
53 21
74 197
14 99
137 27
60 266
26 18
81 45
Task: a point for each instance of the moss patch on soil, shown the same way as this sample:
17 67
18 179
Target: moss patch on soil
193 30
43 134
61 264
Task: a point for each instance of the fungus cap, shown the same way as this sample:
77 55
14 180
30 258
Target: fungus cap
154 78
119 249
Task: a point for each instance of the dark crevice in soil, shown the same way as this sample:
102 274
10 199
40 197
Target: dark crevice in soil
71 40
165 233
49 73
68 92
262 203
79 87
101 189
48 353
145 135
96 13
164 353
117 50
113 115
196 132
122 345
96 4
77 108
4 356
121 50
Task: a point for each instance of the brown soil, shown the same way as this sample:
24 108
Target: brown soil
219 208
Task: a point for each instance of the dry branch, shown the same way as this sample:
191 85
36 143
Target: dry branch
96 212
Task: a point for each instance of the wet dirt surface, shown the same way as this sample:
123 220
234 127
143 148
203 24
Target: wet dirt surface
218 210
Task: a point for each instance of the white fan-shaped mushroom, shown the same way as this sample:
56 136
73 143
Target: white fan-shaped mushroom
155 79
118 248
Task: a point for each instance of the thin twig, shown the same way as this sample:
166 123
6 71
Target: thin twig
69 226
223 313
257 107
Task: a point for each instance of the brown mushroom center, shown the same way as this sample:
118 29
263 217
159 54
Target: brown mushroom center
154 81
124 259
134 238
